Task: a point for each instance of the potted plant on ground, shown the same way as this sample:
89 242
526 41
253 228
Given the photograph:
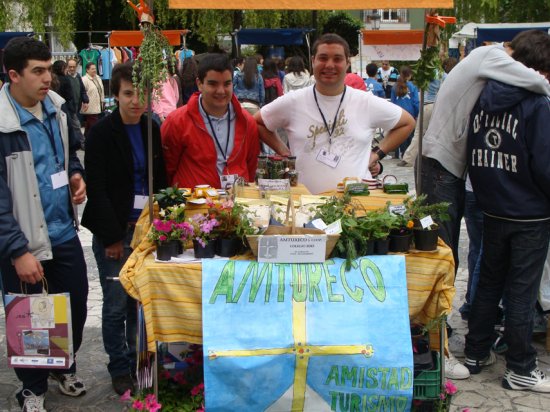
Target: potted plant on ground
425 216
233 225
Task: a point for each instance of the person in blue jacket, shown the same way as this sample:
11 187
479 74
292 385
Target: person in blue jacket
508 151
371 82
405 94
41 182
248 86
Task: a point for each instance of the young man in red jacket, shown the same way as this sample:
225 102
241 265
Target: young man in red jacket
211 136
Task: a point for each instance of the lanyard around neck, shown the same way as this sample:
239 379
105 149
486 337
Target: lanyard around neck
224 154
50 132
329 130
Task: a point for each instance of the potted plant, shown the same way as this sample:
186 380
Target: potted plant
233 225
169 231
171 196
378 224
204 235
425 216
401 233
351 243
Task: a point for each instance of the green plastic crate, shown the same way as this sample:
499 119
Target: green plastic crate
427 385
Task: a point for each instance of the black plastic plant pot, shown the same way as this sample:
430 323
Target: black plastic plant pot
381 246
166 250
425 239
228 247
206 252
400 242
370 247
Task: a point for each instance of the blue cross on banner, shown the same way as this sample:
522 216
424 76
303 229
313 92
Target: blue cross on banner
307 337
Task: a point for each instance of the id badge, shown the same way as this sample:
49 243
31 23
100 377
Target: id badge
327 158
227 180
140 201
59 179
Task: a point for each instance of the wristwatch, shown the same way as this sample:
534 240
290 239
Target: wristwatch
379 152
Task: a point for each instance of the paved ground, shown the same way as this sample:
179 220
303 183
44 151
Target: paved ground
479 393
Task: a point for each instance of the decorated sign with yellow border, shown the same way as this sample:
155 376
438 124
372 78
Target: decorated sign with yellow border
307 337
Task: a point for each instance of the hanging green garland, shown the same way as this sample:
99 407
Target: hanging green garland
155 59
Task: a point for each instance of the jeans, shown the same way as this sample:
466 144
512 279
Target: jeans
66 272
119 311
474 225
512 262
439 185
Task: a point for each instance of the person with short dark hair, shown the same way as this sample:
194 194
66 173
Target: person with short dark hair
41 182
508 154
211 136
330 125
371 82
387 76
116 168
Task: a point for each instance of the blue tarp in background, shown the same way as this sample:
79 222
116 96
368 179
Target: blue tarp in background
268 37
7 35
502 34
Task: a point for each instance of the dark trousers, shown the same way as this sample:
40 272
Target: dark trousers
66 272
440 185
513 257
119 311
474 226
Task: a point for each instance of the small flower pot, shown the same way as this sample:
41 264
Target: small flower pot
425 239
400 241
228 247
381 246
370 247
206 251
178 247
166 250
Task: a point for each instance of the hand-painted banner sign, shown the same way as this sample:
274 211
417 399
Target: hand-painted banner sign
307 337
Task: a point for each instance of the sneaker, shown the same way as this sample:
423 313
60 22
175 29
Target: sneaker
475 366
32 402
402 163
69 383
454 369
536 381
123 383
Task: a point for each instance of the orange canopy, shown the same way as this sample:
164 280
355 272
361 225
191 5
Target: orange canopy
392 36
310 4
128 38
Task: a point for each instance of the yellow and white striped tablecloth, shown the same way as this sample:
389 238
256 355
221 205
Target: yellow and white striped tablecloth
172 298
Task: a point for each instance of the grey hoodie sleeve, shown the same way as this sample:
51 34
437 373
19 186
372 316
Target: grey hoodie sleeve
499 65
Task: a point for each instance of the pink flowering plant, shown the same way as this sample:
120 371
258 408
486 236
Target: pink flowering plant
171 225
182 391
442 404
203 228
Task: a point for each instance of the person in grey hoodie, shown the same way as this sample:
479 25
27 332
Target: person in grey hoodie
444 165
508 152
297 77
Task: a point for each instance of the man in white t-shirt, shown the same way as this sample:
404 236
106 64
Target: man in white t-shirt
330 126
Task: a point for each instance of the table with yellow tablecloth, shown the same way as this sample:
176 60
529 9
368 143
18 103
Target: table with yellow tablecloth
171 293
